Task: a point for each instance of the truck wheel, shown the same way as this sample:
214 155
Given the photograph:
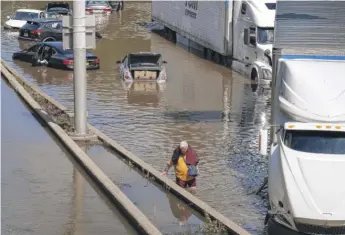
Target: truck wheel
216 58
254 80
172 36
208 53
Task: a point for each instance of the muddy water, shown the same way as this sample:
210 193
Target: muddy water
42 193
210 106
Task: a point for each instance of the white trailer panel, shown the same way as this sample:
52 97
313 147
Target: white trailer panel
208 23
310 24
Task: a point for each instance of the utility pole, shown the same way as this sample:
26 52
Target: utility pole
79 71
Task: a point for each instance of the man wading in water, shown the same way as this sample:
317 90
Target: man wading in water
185 161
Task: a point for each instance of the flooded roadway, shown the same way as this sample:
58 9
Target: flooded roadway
42 191
212 108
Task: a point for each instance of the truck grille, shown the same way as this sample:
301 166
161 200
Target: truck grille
317 229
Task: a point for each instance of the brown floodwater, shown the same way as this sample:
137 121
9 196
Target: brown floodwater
213 108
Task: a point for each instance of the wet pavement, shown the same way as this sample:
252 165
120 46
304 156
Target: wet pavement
208 105
42 191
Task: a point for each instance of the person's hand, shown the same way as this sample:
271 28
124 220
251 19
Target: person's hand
164 173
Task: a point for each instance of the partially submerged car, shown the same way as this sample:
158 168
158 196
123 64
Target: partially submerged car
98 7
43 30
143 66
53 55
20 16
61 8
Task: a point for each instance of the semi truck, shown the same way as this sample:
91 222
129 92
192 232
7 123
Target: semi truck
235 33
306 140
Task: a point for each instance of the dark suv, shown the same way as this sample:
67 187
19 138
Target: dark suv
43 30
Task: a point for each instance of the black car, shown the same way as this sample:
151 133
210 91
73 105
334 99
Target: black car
53 55
43 30
62 8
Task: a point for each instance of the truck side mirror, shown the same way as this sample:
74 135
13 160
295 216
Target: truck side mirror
8 17
118 62
263 142
164 62
252 40
267 52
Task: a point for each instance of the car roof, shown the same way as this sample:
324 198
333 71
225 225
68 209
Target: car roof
45 20
62 2
144 53
29 10
55 44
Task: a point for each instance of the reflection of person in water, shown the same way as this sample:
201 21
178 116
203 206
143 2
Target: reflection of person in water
179 210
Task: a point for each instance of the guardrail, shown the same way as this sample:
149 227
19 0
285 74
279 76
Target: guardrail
142 166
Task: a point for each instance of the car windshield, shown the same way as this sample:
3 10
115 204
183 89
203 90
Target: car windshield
21 15
265 35
144 60
103 3
326 142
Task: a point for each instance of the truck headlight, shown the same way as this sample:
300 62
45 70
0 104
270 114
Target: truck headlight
266 74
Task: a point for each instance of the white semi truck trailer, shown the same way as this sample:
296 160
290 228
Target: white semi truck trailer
306 170
235 33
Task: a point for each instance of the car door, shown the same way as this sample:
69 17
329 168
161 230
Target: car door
54 58
57 31
28 55
123 66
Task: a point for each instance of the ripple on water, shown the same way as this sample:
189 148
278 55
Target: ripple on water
192 108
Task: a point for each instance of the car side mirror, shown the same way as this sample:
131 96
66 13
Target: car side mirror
263 142
164 62
8 17
118 62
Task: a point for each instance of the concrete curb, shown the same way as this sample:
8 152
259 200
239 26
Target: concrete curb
140 221
165 182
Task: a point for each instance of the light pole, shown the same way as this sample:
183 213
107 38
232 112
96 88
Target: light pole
79 71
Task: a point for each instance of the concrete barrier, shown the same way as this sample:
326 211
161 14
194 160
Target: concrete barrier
147 169
137 218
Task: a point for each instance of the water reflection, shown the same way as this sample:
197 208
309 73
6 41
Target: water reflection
144 93
180 210
45 75
208 105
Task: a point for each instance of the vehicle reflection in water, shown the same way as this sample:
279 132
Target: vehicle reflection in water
144 93
46 76
101 21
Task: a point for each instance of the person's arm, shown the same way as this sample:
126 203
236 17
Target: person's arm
165 172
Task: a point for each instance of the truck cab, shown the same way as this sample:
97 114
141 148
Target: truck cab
253 39
306 154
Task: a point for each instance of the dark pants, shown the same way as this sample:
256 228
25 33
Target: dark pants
186 184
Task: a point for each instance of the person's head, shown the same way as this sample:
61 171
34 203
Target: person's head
184 147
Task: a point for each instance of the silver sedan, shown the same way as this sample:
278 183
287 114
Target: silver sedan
98 7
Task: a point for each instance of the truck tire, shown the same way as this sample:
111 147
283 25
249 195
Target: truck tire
208 54
216 58
254 80
172 35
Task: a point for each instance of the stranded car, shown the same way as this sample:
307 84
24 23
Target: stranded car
53 55
61 8
19 18
143 66
98 7
43 30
